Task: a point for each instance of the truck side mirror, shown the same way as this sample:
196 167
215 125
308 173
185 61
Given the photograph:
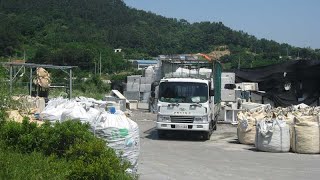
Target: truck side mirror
211 92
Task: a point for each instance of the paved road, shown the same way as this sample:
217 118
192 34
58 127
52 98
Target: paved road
187 157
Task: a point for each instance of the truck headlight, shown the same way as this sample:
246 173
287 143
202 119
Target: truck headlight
201 119
162 118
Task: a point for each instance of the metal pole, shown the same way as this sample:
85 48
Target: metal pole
30 80
70 85
11 69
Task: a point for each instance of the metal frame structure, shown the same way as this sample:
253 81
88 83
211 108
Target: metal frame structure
31 66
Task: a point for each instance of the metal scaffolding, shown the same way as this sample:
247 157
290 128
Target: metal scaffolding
10 65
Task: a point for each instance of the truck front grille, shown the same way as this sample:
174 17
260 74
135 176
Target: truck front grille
181 119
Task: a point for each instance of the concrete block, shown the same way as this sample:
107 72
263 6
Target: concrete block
134 104
229 75
133 79
145 97
145 87
146 80
132 95
133 87
228 95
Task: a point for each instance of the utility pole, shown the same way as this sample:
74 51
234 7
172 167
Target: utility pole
239 63
24 55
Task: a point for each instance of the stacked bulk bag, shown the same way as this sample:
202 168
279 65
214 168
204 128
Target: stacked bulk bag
272 136
53 111
43 78
289 119
306 135
246 130
121 134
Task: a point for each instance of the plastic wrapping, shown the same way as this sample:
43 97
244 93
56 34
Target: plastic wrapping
121 134
272 136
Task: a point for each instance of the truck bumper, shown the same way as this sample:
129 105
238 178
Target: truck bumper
182 126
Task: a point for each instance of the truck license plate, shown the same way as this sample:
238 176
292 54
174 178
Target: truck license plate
181 126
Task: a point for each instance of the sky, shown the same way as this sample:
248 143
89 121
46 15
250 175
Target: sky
296 22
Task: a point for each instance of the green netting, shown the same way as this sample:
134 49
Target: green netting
217 82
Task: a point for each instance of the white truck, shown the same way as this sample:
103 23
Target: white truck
186 100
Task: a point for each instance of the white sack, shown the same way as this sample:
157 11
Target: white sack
121 134
273 136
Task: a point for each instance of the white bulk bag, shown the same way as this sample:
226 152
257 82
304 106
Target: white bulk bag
246 130
272 136
74 111
53 111
121 134
306 137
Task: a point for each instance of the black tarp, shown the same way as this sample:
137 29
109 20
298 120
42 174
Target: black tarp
302 75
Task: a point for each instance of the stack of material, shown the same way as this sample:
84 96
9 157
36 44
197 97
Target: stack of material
133 88
43 78
83 109
301 121
146 81
121 134
246 130
14 115
306 135
29 104
272 136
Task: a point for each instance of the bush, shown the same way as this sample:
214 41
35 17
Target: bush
70 141
31 166
91 160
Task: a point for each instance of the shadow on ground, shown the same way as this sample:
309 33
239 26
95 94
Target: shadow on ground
174 135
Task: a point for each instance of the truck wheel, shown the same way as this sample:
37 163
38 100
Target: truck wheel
161 134
206 135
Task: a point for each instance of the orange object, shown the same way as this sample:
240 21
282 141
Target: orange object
205 56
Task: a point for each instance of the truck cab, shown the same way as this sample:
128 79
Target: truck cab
187 104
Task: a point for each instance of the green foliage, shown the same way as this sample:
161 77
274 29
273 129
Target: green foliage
122 76
92 160
19 166
78 32
93 87
69 147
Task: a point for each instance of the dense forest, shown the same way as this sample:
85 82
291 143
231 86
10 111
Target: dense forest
79 32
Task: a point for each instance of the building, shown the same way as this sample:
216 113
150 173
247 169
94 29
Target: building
141 64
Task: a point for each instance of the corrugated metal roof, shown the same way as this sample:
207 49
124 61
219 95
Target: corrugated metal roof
145 61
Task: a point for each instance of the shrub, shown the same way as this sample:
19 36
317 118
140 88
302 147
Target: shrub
91 160
70 141
31 166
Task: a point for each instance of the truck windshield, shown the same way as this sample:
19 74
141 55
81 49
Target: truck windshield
183 92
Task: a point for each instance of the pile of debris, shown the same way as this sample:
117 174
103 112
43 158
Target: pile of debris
26 106
281 129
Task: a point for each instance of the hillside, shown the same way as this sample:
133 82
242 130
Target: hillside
75 32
